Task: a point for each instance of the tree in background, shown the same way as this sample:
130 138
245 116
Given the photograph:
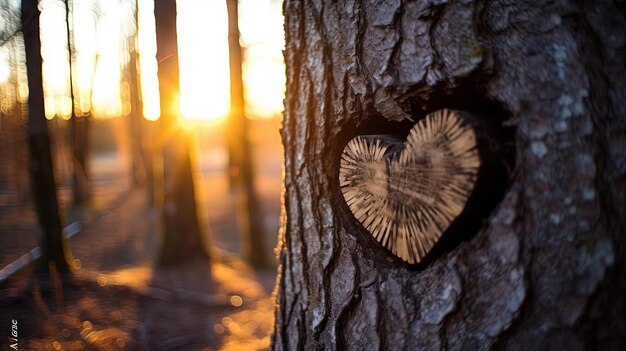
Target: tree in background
183 237
79 131
251 216
54 250
141 131
546 267
139 170
14 183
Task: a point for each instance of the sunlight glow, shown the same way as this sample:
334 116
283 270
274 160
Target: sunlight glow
110 39
85 50
101 31
203 59
262 35
55 58
9 80
146 44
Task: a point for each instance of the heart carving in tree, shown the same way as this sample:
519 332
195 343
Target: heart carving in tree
407 193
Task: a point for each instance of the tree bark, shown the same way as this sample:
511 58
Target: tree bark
54 250
251 215
547 268
183 237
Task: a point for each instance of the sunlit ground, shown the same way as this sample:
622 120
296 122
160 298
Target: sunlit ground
138 308
124 300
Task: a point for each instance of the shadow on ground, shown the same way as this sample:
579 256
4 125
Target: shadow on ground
118 299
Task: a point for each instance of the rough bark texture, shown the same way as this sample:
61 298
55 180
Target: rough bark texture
548 267
183 237
52 245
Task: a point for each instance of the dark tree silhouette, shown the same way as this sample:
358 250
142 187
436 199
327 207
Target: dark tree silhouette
54 250
183 237
546 267
251 216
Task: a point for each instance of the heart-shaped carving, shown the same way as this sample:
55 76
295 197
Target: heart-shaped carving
406 194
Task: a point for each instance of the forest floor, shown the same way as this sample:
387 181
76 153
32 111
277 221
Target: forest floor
118 298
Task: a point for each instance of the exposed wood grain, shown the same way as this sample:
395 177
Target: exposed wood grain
407 199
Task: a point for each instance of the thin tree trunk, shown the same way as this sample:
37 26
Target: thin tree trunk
79 136
233 121
148 146
251 216
546 268
138 163
54 250
145 128
79 133
183 237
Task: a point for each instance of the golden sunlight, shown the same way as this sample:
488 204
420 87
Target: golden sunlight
55 61
262 36
203 59
100 44
146 43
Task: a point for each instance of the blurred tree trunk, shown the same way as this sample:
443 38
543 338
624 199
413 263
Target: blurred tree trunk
547 270
148 143
251 216
79 132
183 237
138 164
54 250
142 130
233 121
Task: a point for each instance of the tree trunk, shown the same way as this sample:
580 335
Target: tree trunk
183 237
79 136
53 245
547 267
79 133
138 164
251 216
236 116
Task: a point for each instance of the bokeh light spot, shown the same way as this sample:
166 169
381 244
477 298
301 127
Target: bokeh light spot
236 300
